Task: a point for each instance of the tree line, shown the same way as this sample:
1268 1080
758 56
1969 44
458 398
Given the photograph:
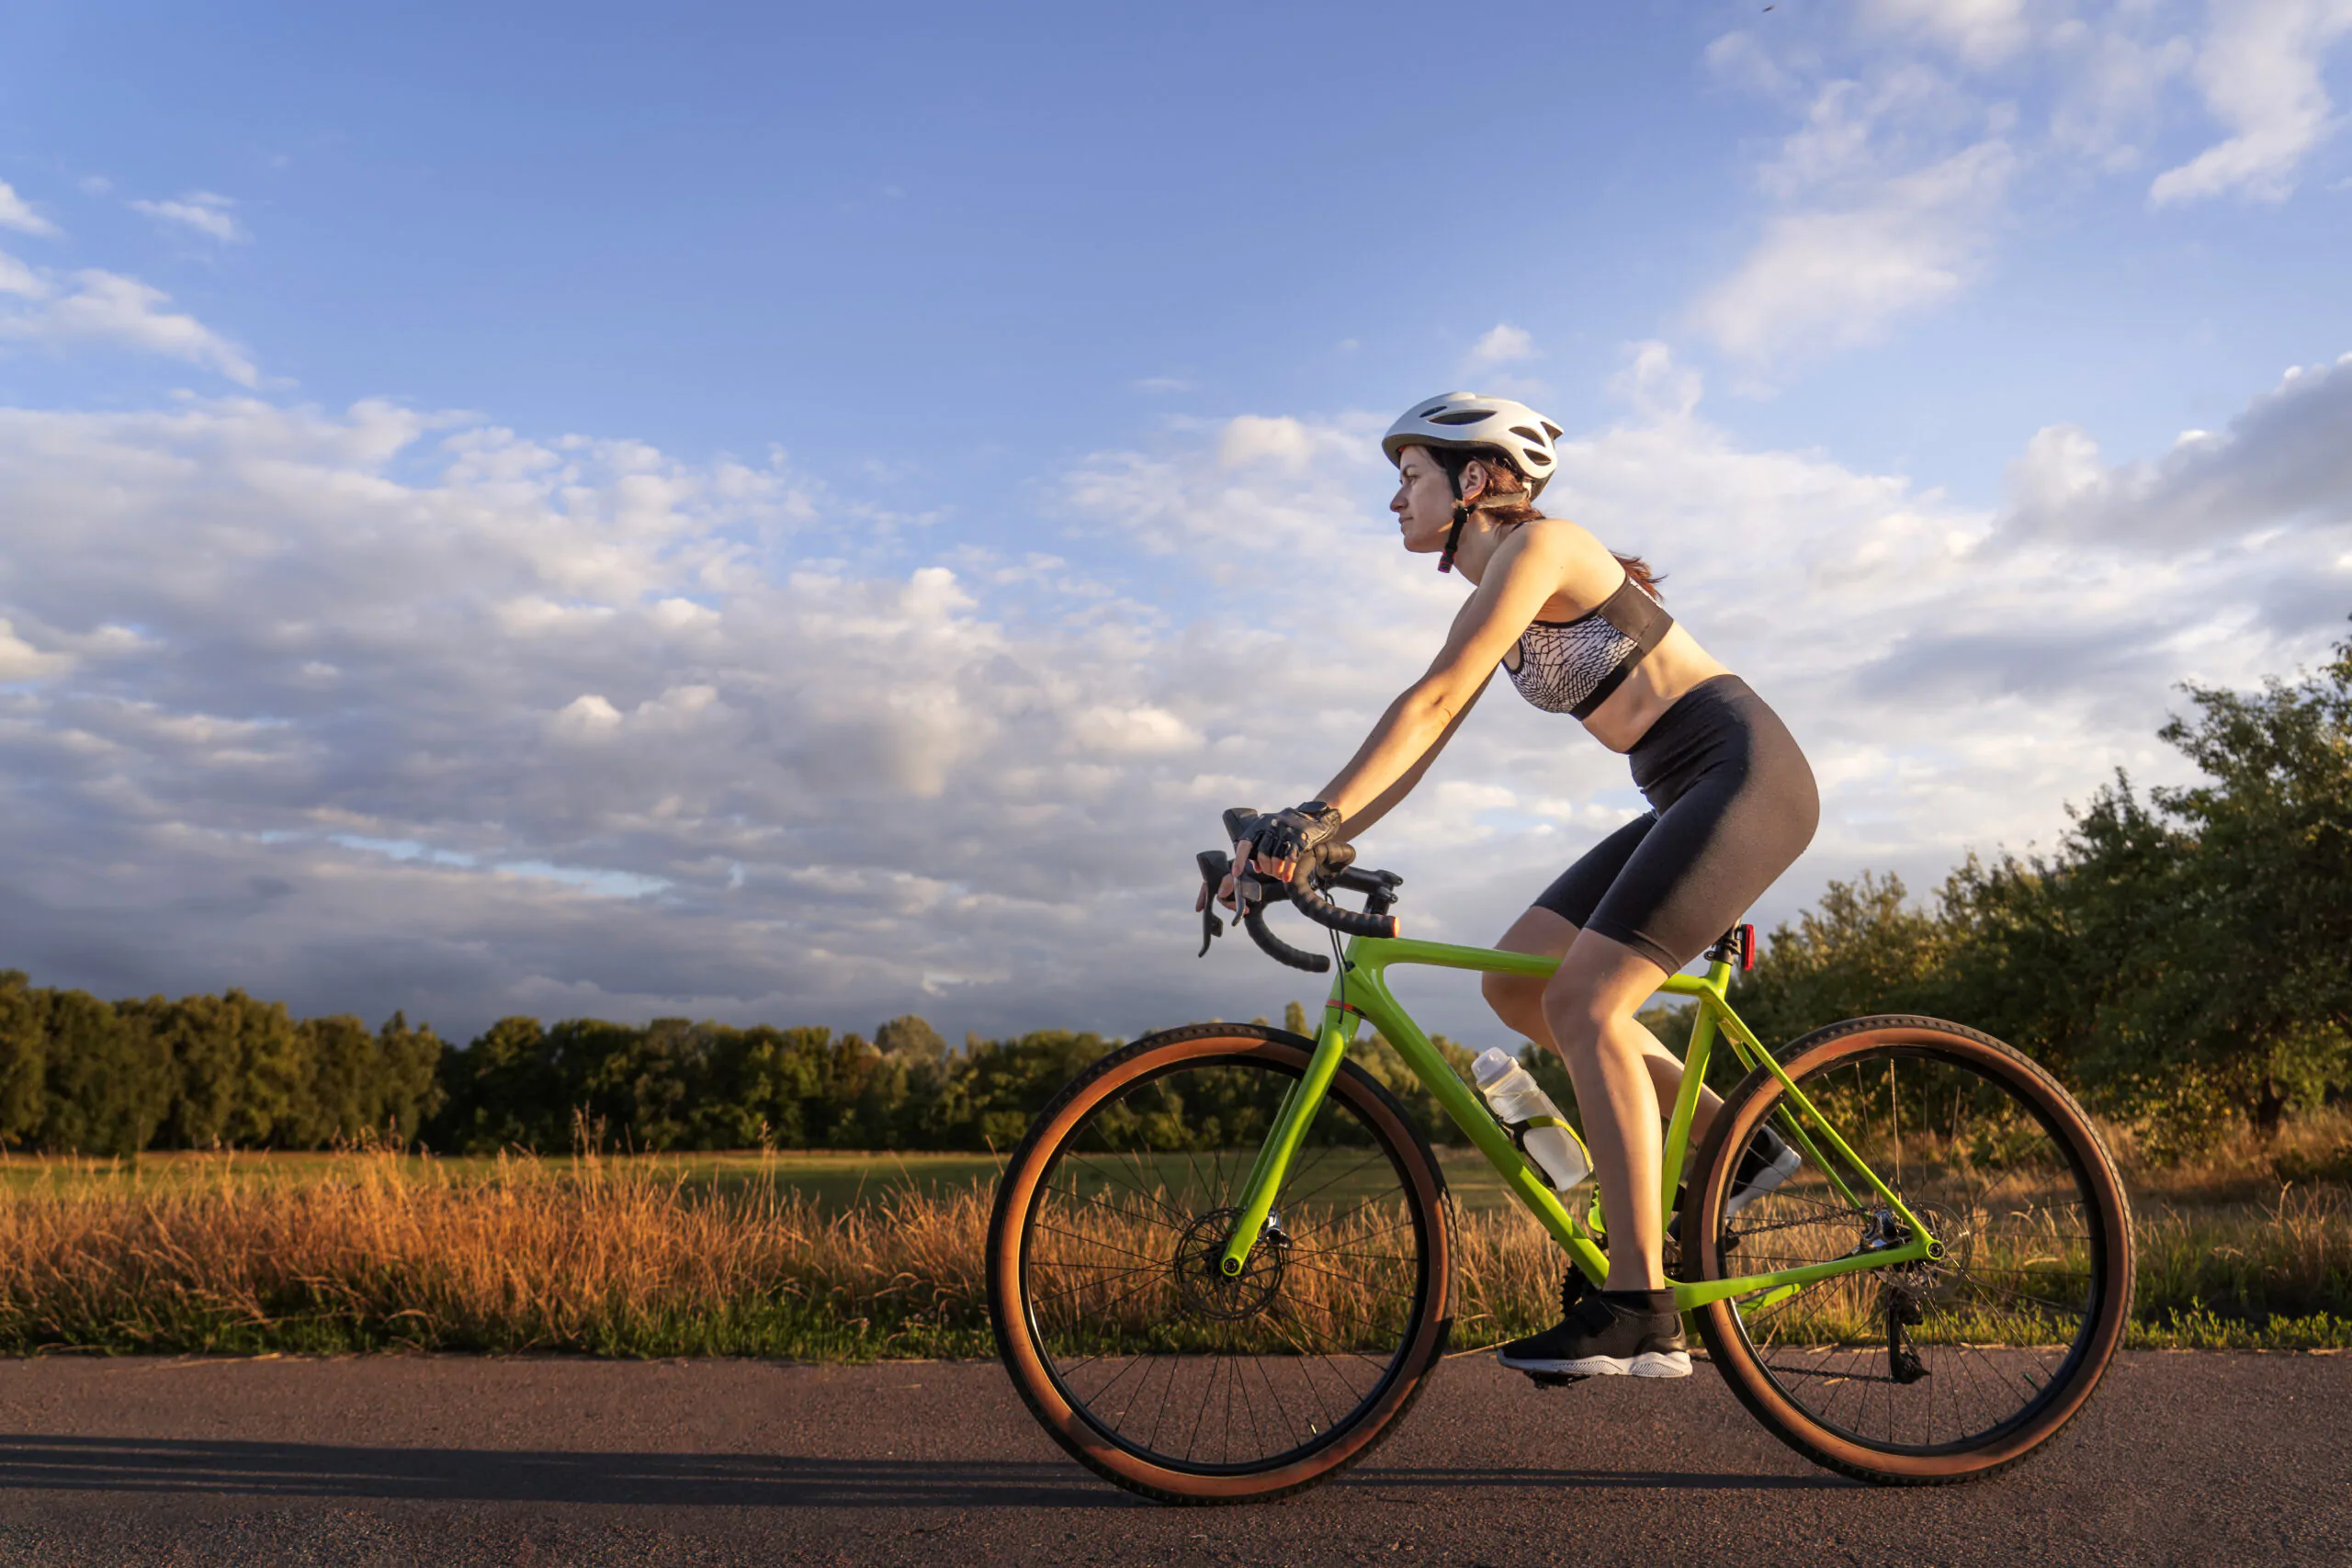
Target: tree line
2182 957
82 1075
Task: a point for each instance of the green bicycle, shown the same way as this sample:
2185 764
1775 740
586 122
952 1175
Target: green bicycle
1220 1262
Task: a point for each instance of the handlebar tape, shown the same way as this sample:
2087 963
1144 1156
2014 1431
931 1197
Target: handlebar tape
1279 949
1348 922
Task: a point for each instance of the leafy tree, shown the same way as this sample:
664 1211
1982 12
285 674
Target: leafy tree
408 1061
2244 942
910 1037
1004 1083
24 1059
344 1094
108 1081
502 1091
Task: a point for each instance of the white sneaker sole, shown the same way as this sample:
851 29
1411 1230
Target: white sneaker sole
1771 1177
1648 1364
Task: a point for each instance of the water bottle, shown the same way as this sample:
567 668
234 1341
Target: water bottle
1519 1104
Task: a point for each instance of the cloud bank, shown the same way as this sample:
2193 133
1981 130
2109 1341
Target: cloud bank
387 708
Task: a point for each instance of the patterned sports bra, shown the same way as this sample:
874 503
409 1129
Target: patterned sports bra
1571 667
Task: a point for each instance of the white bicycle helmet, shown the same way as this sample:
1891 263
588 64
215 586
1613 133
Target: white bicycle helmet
1465 419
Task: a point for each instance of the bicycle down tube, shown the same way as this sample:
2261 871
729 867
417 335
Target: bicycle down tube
1360 993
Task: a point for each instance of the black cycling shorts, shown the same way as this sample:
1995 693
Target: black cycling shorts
1733 804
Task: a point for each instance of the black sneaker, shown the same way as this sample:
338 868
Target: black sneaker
1768 1162
1609 1334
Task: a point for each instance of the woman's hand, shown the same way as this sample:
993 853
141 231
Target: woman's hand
1274 843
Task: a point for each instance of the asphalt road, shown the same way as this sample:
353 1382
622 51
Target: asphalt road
2182 1459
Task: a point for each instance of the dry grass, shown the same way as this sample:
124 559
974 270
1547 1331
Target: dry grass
2239 1167
385 1251
627 1257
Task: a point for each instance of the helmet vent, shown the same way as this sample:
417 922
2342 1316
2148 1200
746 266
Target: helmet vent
1461 416
1524 434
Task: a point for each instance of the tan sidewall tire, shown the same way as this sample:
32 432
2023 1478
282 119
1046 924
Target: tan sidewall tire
1017 1188
1718 1324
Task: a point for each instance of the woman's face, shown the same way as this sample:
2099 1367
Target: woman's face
1424 501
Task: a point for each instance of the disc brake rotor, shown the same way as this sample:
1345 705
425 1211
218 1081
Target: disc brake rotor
1204 1287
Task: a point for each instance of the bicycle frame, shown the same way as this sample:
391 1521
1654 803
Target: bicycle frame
1360 994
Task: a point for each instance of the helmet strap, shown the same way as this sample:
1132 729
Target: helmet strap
1454 536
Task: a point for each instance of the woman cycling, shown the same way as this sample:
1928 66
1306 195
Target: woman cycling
1582 631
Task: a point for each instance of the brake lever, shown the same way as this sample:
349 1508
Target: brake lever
1213 864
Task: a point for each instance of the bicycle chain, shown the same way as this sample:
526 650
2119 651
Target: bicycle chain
1830 1218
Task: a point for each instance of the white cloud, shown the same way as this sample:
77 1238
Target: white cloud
2286 462
1502 344
20 660
1656 384
2108 106
1889 192
201 211
1820 281
20 281
2258 67
15 213
1982 32
92 306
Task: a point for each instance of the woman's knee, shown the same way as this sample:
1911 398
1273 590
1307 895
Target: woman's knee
1517 999
1576 1023
1586 1022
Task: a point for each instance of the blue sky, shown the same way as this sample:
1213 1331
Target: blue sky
738 512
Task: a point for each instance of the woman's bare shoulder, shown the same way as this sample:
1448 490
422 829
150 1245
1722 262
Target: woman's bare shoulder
1586 572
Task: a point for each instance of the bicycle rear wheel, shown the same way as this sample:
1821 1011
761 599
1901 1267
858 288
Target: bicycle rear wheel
1945 1369
1136 1355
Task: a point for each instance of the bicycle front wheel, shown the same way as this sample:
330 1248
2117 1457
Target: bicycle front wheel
1136 1354
1953 1366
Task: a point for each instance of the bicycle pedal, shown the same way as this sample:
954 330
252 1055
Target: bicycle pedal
1552 1379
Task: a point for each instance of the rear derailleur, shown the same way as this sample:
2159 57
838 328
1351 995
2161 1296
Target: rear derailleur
1903 1364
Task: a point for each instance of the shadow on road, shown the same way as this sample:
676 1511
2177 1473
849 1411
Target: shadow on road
127 1464
687 1479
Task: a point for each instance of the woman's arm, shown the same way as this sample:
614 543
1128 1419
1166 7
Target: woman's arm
1406 785
1527 571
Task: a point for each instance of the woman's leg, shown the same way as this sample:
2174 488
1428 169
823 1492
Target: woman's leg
1518 1000
1590 1005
